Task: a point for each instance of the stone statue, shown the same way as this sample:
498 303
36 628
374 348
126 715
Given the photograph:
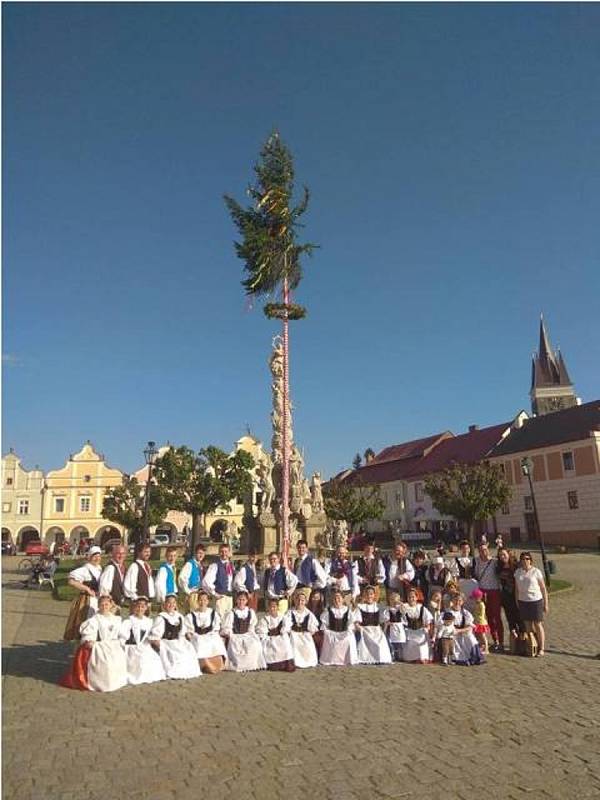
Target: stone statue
296 468
340 533
231 535
317 493
265 481
295 534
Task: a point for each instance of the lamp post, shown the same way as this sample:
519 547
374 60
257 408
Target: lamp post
150 453
527 469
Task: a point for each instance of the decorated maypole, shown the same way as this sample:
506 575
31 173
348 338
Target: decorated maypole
271 254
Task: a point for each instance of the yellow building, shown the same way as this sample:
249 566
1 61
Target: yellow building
73 499
22 493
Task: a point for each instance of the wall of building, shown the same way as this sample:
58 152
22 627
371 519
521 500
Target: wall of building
21 499
552 483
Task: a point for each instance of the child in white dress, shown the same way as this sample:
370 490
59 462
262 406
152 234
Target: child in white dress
418 622
143 662
339 643
466 648
244 649
274 630
99 664
203 626
303 625
168 637
373 647
395 626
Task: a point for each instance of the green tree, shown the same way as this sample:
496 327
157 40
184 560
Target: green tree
353 502
200 483
269 247
369 454
125 504
357 461
468 492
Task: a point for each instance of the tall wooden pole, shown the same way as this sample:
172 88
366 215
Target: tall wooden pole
285 482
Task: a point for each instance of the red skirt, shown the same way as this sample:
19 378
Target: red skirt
76 677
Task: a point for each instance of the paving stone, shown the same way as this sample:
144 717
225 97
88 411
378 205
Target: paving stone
401 731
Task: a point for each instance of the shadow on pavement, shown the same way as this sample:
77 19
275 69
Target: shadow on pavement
567 653
45 661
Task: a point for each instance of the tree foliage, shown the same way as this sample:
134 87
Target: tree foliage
356 463
200 483
269 227
125 504
468 492
368 455
354 503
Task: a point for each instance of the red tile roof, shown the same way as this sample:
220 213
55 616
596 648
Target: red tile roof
468 448
418 447
425 456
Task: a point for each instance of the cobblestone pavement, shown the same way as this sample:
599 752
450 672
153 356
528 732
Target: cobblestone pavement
515 728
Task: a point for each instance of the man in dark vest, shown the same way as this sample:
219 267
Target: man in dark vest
371 571
245 578
278 583
218 581
312 578
138 578
113 575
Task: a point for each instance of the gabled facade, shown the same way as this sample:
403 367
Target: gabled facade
22 494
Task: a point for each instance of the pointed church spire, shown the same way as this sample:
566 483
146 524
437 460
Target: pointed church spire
551 387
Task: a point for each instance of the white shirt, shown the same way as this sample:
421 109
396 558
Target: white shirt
139 626
297 617
527 584
321 581
396 578
342 583
158 626
379 570
160 585
106 579
240 613
185 575
291 581
85 573
268 622
208 584
239 579
107 625
130 582
371 608
203 619
338 613
414 612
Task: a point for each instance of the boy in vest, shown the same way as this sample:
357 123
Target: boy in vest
190 577
138 578
165 578
401 571
113 575
245 578
343 575
371 571
278 583
218 581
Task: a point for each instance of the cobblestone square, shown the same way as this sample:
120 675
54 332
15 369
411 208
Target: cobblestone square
515 728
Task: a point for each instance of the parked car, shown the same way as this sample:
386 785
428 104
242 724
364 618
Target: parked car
8 549
160 539
36 548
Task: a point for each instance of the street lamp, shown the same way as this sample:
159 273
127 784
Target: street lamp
527 469
150 453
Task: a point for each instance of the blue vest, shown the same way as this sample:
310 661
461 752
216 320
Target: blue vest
222 581
308 574
194 580
250 577
170 578
279 581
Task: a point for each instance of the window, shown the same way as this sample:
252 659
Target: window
399 500
23 506
419 496
568 464
6 507
528 502
502 469
9 481
505 509
573 500
59 505
84 503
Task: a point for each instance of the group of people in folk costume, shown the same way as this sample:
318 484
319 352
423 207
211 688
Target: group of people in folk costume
341 612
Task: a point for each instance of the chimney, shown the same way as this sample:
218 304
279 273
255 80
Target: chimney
473 428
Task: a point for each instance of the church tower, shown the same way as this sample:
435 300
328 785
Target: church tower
551 387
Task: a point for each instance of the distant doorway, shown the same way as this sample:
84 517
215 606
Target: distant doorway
530 526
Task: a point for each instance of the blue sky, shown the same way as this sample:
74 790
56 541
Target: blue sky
453 156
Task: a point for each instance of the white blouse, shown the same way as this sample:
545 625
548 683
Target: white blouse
527 584
106 625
